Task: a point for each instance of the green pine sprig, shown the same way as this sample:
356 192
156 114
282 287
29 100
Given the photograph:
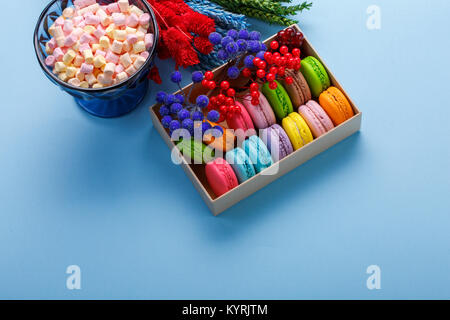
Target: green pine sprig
267 16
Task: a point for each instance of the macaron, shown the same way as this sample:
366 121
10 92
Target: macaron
316 118
241 122
258 153
297 130
277 141
278 99
298 90
261 114
195 151
316 75
334 102
220 176
241 164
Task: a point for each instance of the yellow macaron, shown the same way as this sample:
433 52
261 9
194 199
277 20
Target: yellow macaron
297 130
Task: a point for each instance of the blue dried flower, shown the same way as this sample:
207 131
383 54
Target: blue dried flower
226 40
222 54
219 129
233 72
174 125
183 114
206 126
253 46
215 38
255 35
202 101
243 34
260 55
213 116
161 96
232 33
232 48
179 98
170 98
248 61
175 108
263 47
166 121
197 116
242 45
164 110
188 124
197 76
175 77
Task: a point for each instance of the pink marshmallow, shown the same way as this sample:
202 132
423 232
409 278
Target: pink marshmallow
132 38
119 19
82 24
145 54
144 19
86 68
58 54
52 44
70 41
68 27
92 20
100 32
84 46
100 53
77 20
112 57
59 22
113 7
50 61
148 39
86 38
132 20
119 68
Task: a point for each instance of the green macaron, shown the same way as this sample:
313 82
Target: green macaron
195 151
278 99
316 75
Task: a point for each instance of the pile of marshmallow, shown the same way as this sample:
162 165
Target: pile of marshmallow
95 46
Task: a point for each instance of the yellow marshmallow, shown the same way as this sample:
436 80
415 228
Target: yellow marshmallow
117 46
97 86
68 12
140 35
99 61
48 50
140 61
125 60
126 46
130 70
84 84
51 30
110 30
139 47
71 72
60 41
130 30
60 67
75 82
121 76
91 79
106 21
76 46
78 61
79 75
120 35
95 47
89 29
63 76
104 42
88 56
136 10
69 56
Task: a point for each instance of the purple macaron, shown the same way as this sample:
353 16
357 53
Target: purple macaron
276 139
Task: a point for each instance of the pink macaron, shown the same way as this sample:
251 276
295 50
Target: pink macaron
261 114
316 118
220 176
241 123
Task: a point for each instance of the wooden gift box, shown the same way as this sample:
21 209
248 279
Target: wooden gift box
196 173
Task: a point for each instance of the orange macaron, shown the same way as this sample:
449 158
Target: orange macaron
336 105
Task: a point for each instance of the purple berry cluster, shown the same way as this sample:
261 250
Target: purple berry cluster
178 113
238 45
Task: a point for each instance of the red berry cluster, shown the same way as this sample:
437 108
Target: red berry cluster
290 37
224 102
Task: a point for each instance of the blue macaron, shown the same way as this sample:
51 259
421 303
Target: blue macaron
258 153
241 164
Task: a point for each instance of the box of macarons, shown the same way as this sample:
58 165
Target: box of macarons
271 106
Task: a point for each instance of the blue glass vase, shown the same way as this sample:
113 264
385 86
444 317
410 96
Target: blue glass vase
108 102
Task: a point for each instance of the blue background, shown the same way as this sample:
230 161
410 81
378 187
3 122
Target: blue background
104 195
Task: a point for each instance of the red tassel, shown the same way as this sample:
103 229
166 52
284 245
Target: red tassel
180 48
154 75
203 45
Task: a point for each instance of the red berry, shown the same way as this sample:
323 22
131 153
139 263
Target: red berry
209 75
205 83
229 101
221 97
274 70
262 65
212 84
291 63
283 61
297 60
224 85
231 92
281 71
267 56
254 94
296 52
284 50
276 60
254 87
270 77
236 109
223 109
256 61
289 80
273 85
213 101
260 73
276 55
255 102
288 56
247 72
274 45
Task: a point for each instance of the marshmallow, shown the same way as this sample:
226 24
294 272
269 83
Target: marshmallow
140 35
109 70
99 32
77 20
104 79
119 69
70 41
116 47
124 5
68 27
148 40
99 52
132 38
113 7
139 62
84 84
90 78
125 60
119 19
88 57
93 20
112 57
97 86
133 20
74 82
104 42
68 12
135 10
121 76
48 50
59 22
144 19
69 56
50 61
89 29
87 68
63 76
86 38
110 30
139 46
120 35
60 67
71 72
78 61
126 46
131 70
84 46
95 47
145 54
99 61
58 54
79 75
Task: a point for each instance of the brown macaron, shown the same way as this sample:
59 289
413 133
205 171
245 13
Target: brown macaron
298 91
